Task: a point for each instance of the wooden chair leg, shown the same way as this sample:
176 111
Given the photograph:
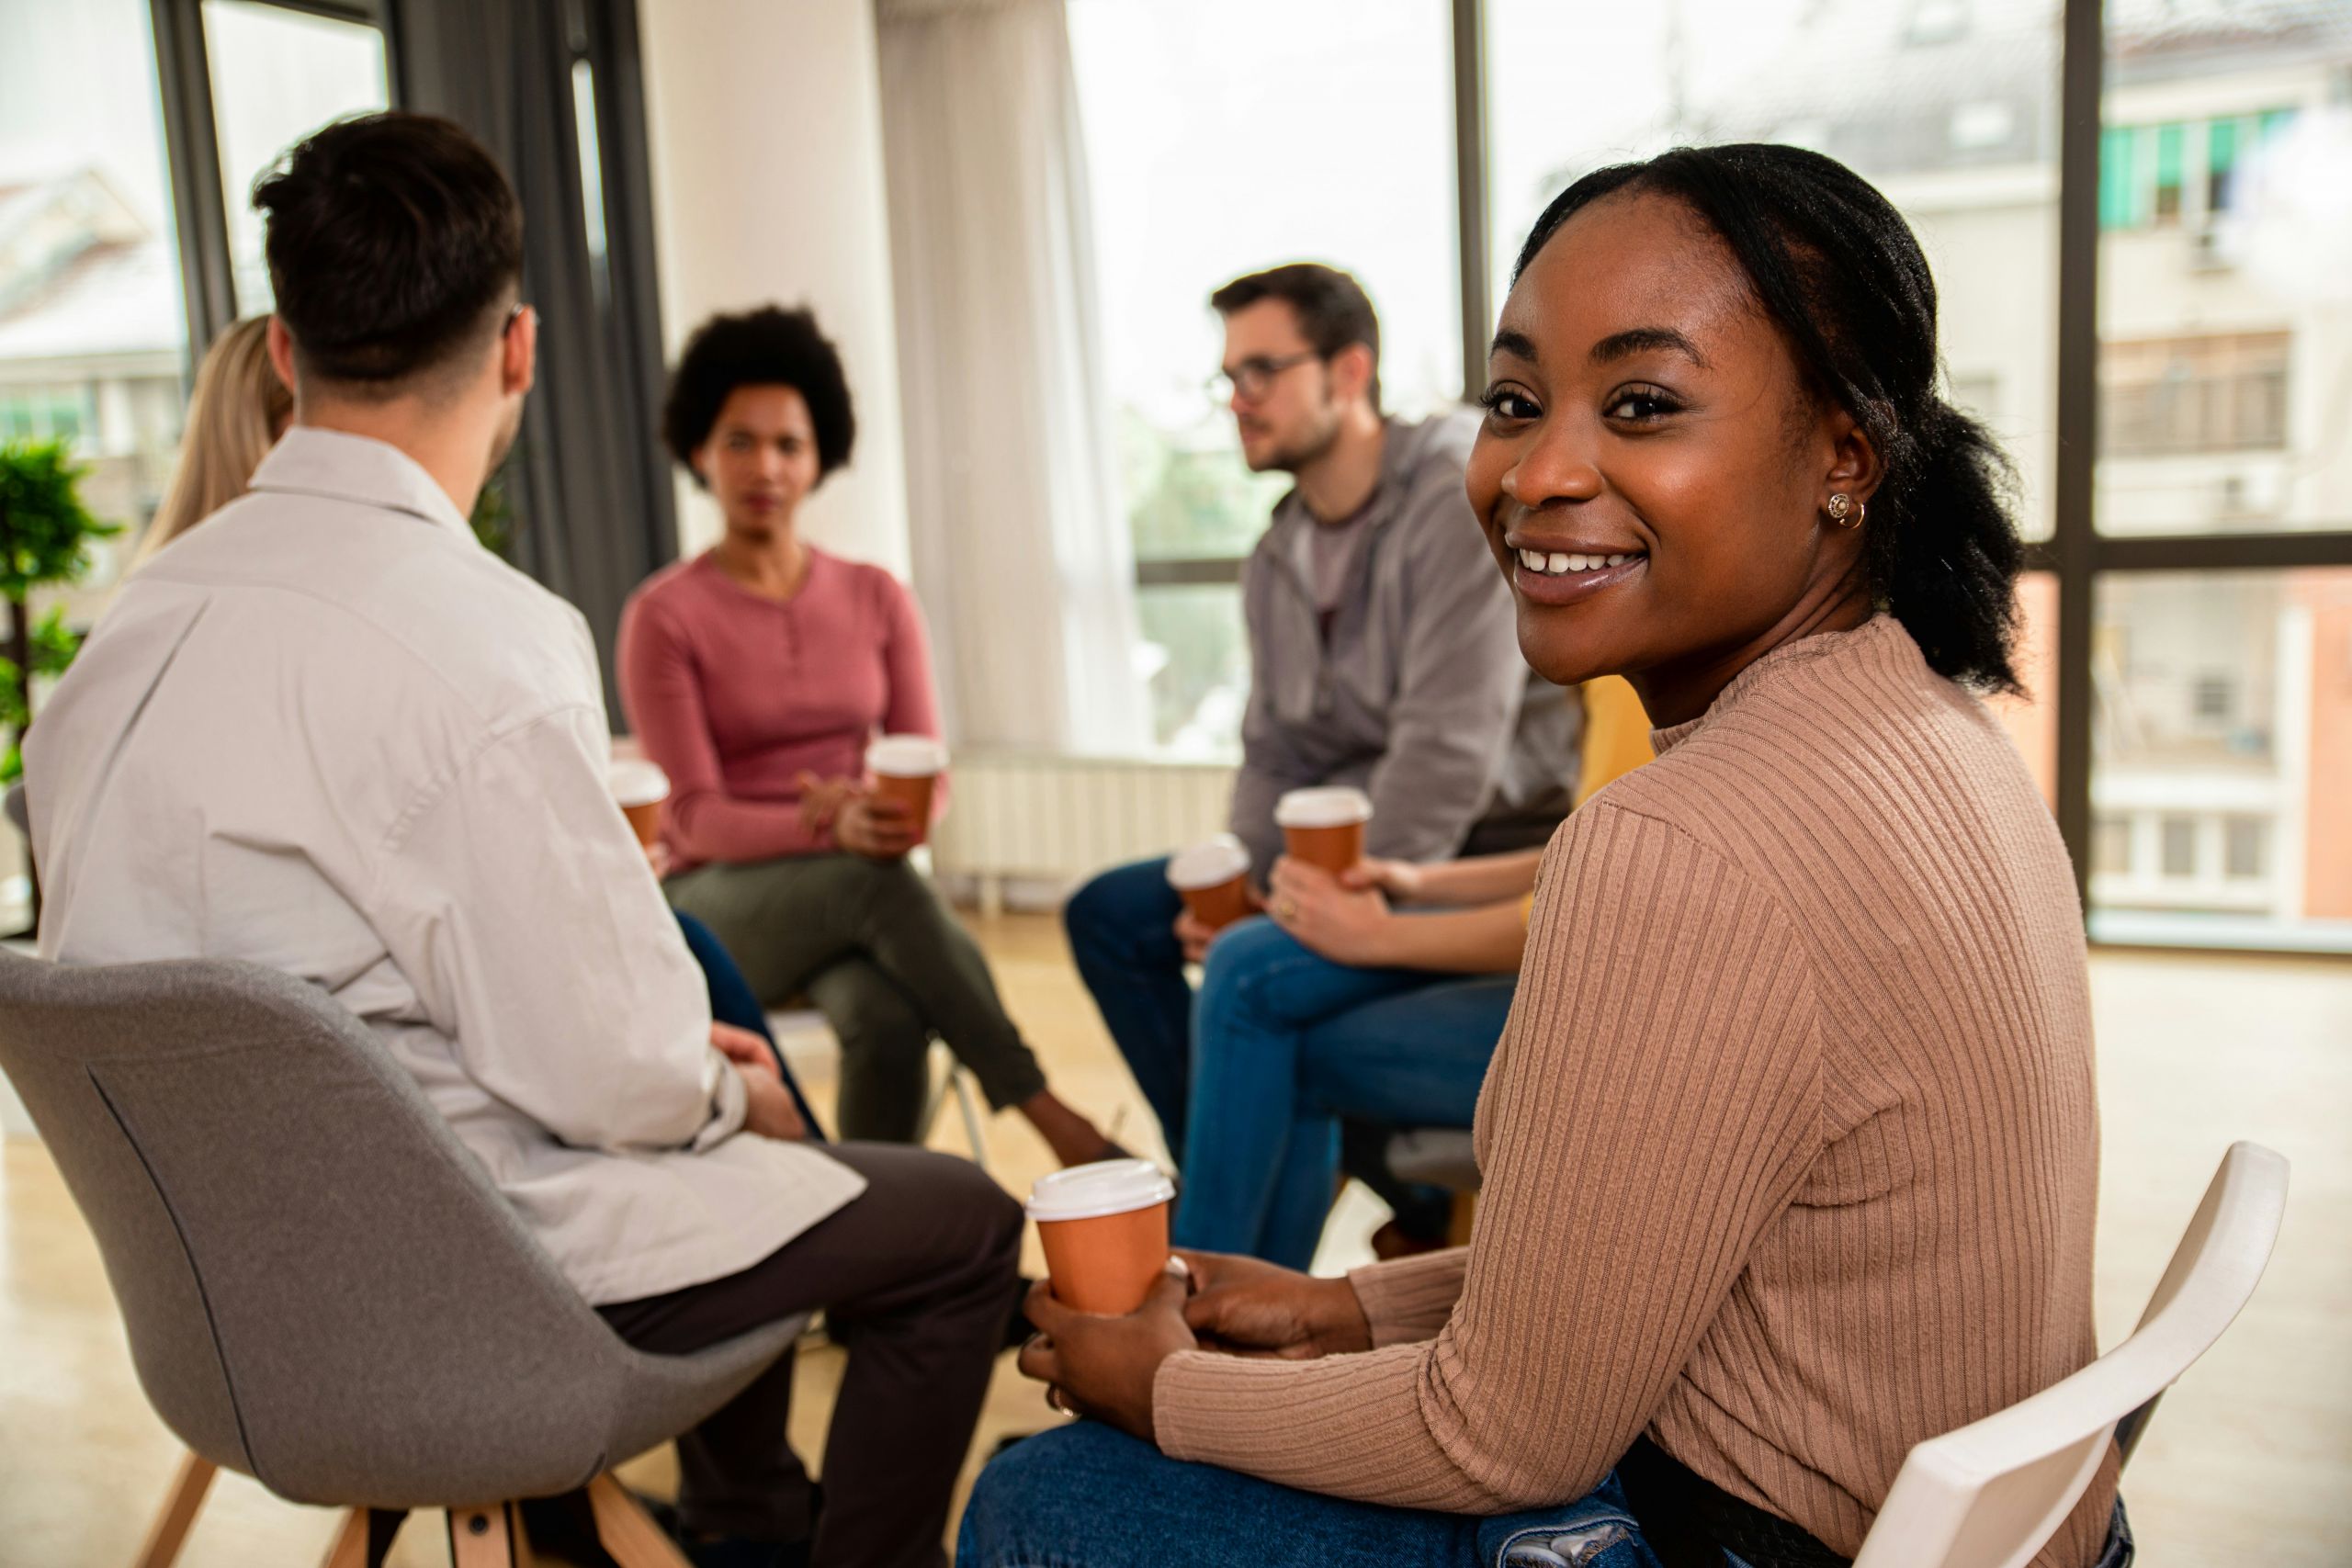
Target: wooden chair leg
491 1536
366 1536
350 1547
178 1512
628 1532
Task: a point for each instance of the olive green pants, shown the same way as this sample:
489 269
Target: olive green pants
874 946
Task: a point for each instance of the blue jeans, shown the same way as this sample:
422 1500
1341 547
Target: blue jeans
732 1001
1086 1496
1121 932
1285 1044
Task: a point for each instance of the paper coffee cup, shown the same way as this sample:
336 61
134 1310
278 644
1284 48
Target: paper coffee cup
640 788
906 768
1214 878
1324 826
1106 1230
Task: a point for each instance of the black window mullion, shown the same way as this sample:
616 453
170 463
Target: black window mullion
192 148
1470 175
2073 547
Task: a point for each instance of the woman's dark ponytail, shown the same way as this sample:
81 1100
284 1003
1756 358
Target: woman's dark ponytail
1943 553
1836 267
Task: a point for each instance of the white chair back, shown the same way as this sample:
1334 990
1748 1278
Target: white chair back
1991 1494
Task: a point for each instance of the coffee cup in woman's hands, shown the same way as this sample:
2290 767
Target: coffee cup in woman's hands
876 826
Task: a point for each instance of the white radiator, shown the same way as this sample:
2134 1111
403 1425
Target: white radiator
1049 822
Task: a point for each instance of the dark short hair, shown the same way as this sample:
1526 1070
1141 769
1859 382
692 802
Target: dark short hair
1332 309
767 347
1841 273
394 243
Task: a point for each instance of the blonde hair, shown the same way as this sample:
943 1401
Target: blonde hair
233 421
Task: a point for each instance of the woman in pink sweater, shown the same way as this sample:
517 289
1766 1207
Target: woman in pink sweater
1791 1144
756 674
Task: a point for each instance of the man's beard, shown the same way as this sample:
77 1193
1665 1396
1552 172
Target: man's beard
1298 454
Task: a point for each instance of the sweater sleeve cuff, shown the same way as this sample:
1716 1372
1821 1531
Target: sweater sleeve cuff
1410 1299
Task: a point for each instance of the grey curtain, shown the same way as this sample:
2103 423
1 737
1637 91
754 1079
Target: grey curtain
590 492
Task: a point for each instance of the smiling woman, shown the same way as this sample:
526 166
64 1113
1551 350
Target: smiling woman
1805 300
1790 1145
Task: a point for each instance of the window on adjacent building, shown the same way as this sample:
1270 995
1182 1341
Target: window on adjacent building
2224 393
2246 843
2112 845
2179 841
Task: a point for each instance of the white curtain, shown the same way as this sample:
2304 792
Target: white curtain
1019 538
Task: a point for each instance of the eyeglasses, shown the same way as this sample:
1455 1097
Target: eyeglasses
1254 376
513 316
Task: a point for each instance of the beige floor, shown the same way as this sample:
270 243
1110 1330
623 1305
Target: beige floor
2249 1462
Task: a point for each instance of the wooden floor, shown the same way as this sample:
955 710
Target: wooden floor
2250 1459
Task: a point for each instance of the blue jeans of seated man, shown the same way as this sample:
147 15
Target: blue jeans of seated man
732 1001
1285 1044
1121 932
1086 1496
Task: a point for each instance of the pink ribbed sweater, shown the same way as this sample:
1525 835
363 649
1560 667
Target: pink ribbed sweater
1791 1147
737 695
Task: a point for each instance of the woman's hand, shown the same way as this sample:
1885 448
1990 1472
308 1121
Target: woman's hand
1194 937
1342 924
1103 1367
821 799
877 828
1397 878
1254 1308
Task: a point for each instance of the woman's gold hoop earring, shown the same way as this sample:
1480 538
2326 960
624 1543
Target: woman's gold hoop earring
1845 511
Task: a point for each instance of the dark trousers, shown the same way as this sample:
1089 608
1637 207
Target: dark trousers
916 1279
872 945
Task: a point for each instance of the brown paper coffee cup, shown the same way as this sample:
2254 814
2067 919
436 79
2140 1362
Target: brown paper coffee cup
640 788
1213 879
1105 1227
906 768
1324 827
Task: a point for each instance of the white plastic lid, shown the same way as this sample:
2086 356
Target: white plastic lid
907 756
636 782
1330 807
1106 1187
1207 863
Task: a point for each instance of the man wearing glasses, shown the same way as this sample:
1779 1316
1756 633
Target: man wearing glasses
1383 655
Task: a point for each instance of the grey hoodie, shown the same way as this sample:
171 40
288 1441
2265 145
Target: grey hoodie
1420 697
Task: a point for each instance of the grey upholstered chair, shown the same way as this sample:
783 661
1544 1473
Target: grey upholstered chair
321 1288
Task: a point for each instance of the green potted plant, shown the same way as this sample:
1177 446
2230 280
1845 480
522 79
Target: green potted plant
45 536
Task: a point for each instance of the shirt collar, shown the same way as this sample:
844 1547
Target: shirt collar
308 461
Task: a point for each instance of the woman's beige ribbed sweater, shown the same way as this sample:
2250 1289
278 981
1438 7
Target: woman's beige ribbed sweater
1790 1146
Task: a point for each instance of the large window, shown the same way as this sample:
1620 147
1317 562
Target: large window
2218 686
1224 136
